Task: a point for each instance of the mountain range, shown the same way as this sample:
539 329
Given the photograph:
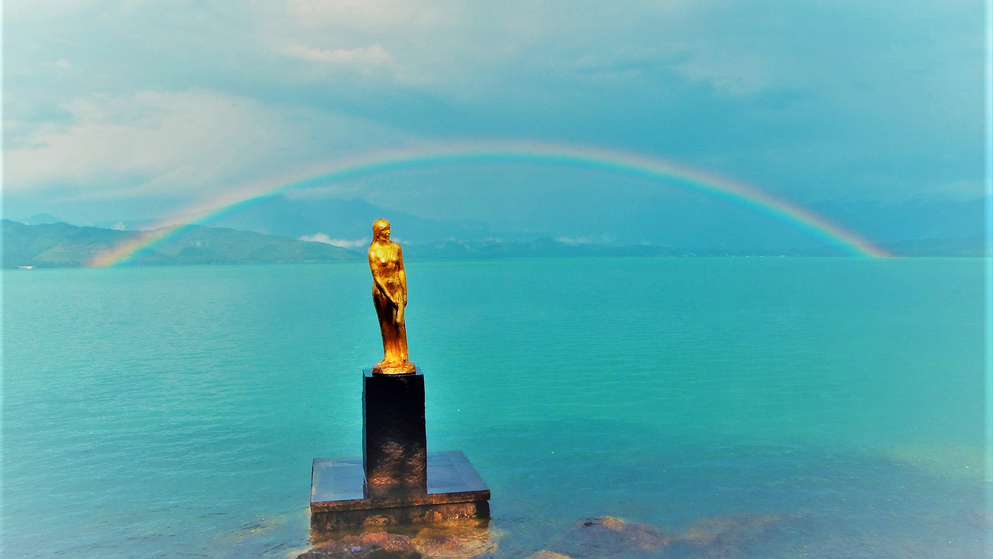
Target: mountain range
281 229
686 223
348 221
63 245
54 245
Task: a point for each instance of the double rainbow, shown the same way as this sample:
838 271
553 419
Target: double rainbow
576 157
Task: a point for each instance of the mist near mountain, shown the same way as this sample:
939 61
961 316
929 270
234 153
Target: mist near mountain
60 245
40 219
677 223
350 222
681 222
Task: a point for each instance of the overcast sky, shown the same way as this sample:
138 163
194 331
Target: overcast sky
123 109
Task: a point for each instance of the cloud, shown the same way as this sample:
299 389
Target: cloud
343 243
728 72
809 100
370 13
587 240
173 143
365 60
374 54
159 140
20 10
62 63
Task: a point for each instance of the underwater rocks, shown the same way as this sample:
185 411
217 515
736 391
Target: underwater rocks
545 554
441 544
615 534
446 540
373 545
604 537
722 536
711 537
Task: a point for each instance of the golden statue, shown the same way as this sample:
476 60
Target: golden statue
389 294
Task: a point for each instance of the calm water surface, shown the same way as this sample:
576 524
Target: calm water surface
174 412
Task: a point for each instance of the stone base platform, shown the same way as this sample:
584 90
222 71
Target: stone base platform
339 499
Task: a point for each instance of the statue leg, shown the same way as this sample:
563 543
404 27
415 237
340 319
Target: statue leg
394 333
402 342
384 312
392 346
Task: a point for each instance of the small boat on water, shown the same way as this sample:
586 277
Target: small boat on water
26 267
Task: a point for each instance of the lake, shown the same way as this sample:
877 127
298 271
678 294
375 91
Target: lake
175 411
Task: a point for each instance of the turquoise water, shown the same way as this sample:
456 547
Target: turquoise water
174 412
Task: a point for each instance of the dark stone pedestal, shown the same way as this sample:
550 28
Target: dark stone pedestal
338 498
394 443
395 481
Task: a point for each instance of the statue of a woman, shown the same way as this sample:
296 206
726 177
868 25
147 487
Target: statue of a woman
389 294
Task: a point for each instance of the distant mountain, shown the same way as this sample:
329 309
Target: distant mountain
686 225
64 245
544 247
55 244
349 220
40 219
551 248
974 245
907 221
121 225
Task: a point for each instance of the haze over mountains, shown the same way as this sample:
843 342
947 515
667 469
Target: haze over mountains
348 222
59 245
682 223
280 228
870 113
351 221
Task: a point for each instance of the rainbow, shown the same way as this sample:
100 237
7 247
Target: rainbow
578 157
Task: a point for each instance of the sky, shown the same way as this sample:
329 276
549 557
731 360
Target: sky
137 109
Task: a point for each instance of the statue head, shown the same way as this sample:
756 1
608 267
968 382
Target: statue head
381 230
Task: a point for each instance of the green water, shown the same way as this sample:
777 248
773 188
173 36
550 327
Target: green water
174 412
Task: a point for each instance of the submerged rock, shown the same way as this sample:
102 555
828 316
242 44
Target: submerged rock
710 537
709 530
618 535
372 545
545 554
726 535
716 537
254 529
455 540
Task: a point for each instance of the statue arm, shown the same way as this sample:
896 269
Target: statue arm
401 299
377 278
402 276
